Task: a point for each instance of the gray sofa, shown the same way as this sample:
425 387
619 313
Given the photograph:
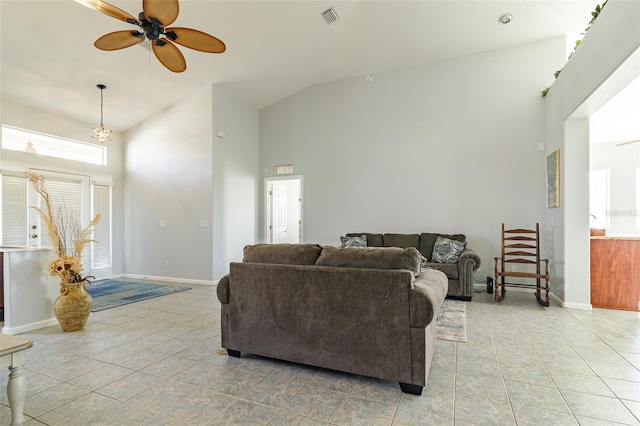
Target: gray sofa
459 274
366 311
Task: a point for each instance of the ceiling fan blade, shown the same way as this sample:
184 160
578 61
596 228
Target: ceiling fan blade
627 143
196 40
119 40
108 9
169 55
165 11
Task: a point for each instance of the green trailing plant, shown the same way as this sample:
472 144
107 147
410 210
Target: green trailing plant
594 16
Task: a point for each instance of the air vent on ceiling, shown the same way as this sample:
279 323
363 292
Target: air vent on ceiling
330 15
284 169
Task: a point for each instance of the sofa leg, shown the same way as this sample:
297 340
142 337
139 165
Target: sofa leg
412 389
233 353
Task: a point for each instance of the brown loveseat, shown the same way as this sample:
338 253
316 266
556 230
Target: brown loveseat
364 311
459 274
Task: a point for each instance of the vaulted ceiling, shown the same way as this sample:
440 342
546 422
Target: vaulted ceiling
274 48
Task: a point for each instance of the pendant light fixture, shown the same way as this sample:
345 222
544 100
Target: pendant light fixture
101 133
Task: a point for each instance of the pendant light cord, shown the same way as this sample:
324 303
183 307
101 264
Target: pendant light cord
101 111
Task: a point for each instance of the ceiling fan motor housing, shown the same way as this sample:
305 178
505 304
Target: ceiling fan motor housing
152 27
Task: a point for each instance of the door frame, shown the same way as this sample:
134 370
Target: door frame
268 181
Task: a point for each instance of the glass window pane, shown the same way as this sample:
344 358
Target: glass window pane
599 198
41 144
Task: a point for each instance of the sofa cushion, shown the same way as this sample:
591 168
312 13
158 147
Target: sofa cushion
427 241
373 240
449 269
287 254
402 240
446 250
372 257
354 241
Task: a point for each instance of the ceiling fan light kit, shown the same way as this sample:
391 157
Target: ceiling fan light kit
153 21
101 133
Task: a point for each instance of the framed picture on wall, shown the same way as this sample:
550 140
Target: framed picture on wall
553 179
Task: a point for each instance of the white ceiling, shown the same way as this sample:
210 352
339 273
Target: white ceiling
274 48
618 121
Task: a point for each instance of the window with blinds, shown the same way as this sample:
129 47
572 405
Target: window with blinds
599 198
101 251
14 211
72 198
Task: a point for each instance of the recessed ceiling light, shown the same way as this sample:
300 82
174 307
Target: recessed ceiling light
505 18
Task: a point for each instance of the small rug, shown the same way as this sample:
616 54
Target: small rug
451 321
108 294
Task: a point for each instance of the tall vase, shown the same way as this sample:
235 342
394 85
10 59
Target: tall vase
73 306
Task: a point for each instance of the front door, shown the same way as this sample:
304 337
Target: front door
283 209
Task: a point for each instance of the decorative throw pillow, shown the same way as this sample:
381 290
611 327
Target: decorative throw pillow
360 241
447 251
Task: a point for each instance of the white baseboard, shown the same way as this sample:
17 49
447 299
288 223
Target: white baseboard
29 327
171 279
582 306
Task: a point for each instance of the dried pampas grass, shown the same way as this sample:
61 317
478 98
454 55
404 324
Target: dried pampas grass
67 264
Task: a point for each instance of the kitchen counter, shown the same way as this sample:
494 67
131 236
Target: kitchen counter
616 237
615 272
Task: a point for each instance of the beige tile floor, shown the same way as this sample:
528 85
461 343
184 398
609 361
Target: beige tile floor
156 363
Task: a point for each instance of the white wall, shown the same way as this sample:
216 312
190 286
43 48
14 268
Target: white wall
168 177
449 147
236 180
179 172
15 114
607 60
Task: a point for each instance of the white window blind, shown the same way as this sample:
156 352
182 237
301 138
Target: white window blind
14 211
101 255
66 202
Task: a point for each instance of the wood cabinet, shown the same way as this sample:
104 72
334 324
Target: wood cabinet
615 273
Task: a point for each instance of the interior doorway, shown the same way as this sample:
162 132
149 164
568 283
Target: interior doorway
283 208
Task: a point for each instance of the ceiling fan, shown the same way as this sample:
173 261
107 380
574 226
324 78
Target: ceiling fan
153 21
627 143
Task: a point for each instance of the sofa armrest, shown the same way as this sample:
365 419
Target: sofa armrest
468 263
223 289
469 259
426 297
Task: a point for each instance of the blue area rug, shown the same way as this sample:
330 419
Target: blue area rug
108 294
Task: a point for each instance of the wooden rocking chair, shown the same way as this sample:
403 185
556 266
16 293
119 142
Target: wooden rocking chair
521 247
